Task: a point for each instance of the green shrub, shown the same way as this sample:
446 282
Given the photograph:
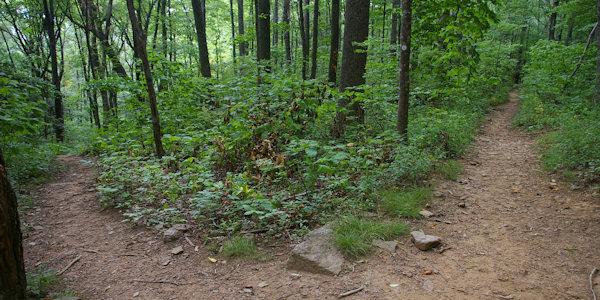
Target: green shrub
41 281
450 169
239 246
406 203
354 236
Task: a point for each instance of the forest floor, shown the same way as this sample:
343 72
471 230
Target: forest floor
510 230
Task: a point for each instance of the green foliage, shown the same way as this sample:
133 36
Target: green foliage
407 202
450 169
354 236
41 281
241 247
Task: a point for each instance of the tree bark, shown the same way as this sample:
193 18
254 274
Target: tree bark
12 277
303 39
597 96
263 33
199 9
394 26
552 21
315 34
243 45
354 59
404 84
139 42
59 121
232 29
275 21
335 41
286 33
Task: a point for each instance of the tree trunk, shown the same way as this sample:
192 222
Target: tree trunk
199 10
354 59
335 41
286 33
552 21
232 29
404 84
570 26
263 33
139 42
164 33
597 98
12 277
303 39
275 21
306 13
394 26
59 121
315 34
243 45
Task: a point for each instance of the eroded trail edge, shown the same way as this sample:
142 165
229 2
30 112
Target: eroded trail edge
511 233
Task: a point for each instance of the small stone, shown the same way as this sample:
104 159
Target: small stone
295 276
438 194
425 242
38 228
136 294
165 261
389 246
171 234
317 254
262 284
394 285
177 250
248 290
462 205
426 214
182 227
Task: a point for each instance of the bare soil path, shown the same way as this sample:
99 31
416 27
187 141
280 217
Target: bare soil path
512 233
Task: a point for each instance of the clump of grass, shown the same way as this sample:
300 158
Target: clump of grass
41 281
241 247
450 169
406 203
354 236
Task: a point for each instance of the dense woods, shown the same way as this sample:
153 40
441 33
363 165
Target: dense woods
279 115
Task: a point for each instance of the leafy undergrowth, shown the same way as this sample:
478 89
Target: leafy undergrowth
241 247
43 282
242 157
554 101
406 202
354 235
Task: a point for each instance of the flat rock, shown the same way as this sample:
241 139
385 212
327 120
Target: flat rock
317 254
423 241
426 214
389 246
171 234
177 250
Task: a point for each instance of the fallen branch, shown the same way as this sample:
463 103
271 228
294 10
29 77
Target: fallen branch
351 292
592 283
189 241
69 265
587 45
165 282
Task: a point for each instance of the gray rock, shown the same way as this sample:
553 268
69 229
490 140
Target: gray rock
182 227
177 250
317 254
389 246
171 234
426 214
425 242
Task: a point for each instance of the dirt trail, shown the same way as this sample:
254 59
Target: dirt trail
517 236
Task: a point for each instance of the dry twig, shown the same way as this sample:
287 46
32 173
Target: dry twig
592 283
69 265
351 292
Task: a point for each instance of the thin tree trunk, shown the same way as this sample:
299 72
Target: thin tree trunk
59 122
570 26
286 33
232 29
394 26
307 23
275 21
139 41
303 39
354 59
315 34
597 98
404 84
199 9
552 21
243 45
383 19
13 282
335 41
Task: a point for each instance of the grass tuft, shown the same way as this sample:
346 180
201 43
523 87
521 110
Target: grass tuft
405 203
241 247
354 236
41 281
450 169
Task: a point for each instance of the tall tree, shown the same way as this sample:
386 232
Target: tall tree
243 47
354 59
232 28
303 38
286 33
12 277
552 21
315 34
275 21
404 84
263 31
139 45
394 26
335 41
49 22
199 8
597 100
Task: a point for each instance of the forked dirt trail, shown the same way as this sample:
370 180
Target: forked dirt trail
510 233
